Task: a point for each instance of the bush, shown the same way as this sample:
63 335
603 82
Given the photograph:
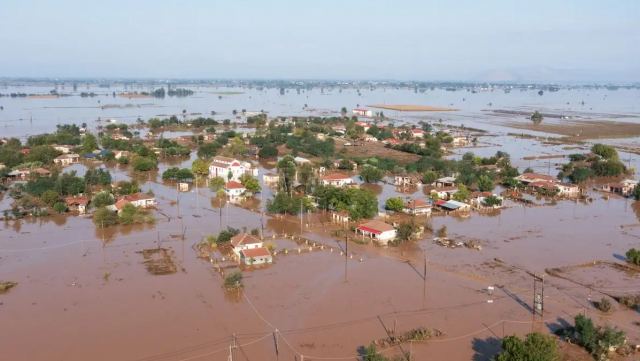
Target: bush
605 151
633 256
492 200
104 217
143 164
535 347
233 280
268 151
50 197
597 340
395 204
60 207
226 235
371 174
102 199
604 305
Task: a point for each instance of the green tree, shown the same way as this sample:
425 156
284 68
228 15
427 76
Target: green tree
605 151
143 164
485 183
535 347
268 151
580 175
60 207
371 174
200 168
462 194
50 197
395 204
233 280
250 183
42 153
102 199
370 353
128 214
216 183
429 177
536 117
89 143
287 172
633 256
103 217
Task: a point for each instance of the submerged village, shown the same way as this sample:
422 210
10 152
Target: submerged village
391 237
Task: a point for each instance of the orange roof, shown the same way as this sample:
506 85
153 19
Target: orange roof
538 176
255 252
233 185
244 238
81 201
335 176
375 227
121 203
417 203
548 185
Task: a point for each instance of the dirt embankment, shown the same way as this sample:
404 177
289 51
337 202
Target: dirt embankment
582 130
411 108
372 149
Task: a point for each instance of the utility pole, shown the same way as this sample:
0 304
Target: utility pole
275 342
346 250
538 298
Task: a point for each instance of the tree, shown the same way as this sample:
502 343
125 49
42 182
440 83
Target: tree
395 204
370 353
97 176
485 183
50 197
429 177
633 256
268 151
287 172
233 280
89 143
492 200
605 151
143 164
128 214
42 153
208 150
236 146
580 174
216 183
536 117
250 183
103 217
462 194
200 168
535 347
636 192
371 174
343 111
406 231
102 199
60 207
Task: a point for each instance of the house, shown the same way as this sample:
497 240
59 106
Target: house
234 189
301 160
444 192
340 129
370 138
445 182
183 187
244 241
391 141
477 200
460 141
377 230
121 154
271 178
62 148
624 188
67 159
24 173
336 179
255 256
543 186
405 180
118 136
230 169
362 112
78 204
568 189
417 207
527 178
417 133
364 125
141 200
452 205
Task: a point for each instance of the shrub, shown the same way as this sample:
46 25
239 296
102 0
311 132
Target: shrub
143 164
60 207
371 174
395 204
104 217
633 256
442 232
534 347
604 305
233 280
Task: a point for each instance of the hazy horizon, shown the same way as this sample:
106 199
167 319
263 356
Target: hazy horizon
544 41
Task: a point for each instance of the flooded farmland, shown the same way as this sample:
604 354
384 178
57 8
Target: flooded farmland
85 292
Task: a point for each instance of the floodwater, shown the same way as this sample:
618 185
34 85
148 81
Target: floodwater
83 293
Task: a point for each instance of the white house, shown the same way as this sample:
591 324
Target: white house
364 125
142 200
63 148
230 169
444 192
336 179
121 154
363 112
445 182
624 188
378 231
244 241
234 189
255 256
66 159
526 178
568 189
417 133
271 178
417 207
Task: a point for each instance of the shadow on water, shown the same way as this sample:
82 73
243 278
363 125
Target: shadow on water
559 324
620 257
485 349
517 298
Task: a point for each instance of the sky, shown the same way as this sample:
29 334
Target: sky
547 40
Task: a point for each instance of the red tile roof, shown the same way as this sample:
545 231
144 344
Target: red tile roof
376 227
233 185
244 238
534 176
417 203
335 176
80 201
255 252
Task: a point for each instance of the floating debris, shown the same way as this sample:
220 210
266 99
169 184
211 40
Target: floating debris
419 334
6 286
158 261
